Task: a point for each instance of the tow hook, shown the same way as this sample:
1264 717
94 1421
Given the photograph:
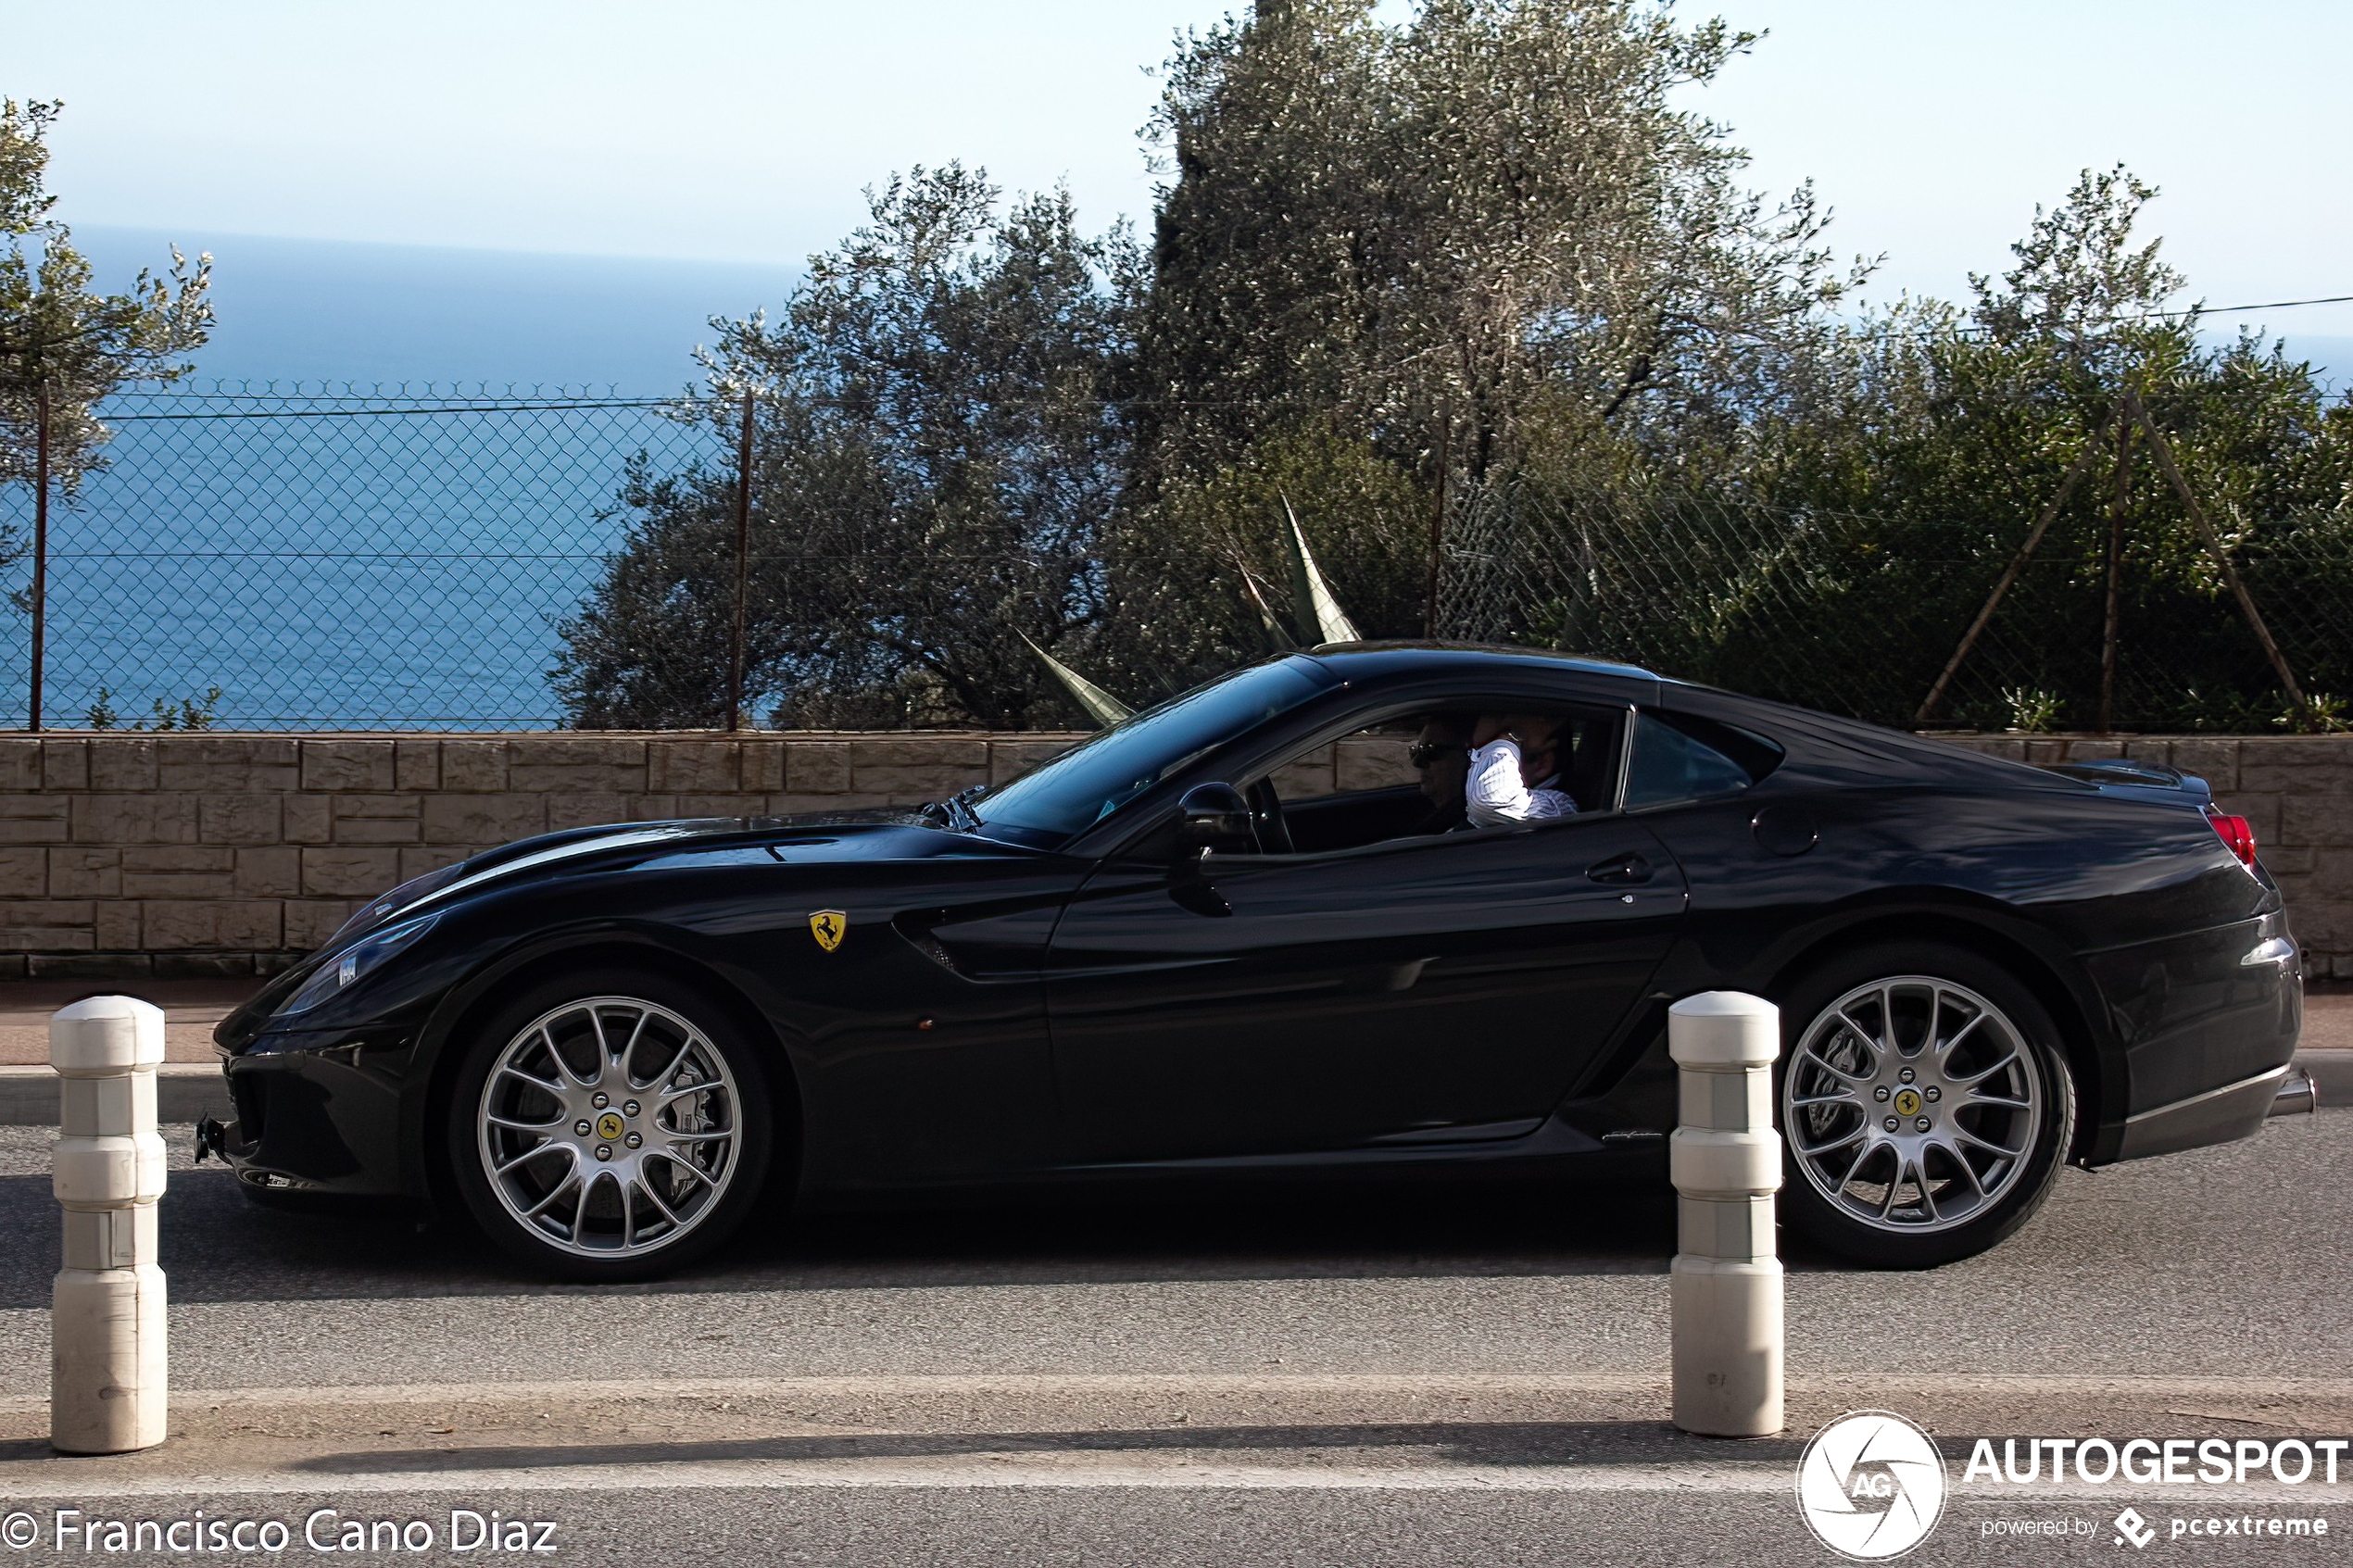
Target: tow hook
211 1138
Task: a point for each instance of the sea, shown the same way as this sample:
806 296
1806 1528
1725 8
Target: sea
391 476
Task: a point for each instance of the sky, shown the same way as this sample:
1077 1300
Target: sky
730 138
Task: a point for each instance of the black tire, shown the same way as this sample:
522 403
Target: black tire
735 1092
1920 1233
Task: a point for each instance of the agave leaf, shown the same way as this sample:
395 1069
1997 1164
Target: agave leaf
1101 706
1282 639
1318 605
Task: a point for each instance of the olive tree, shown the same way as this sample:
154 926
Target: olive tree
63 347
938 449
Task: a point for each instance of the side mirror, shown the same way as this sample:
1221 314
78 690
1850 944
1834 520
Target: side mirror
1214 816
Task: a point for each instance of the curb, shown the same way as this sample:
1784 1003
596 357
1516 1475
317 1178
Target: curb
184 1090
2332 1072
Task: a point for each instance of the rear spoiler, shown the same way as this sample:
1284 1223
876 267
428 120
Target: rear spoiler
2135 779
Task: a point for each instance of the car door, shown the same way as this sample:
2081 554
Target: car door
1441 987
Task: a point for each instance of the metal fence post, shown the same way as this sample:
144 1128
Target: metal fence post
1725 1160
742 568
106 1375
40 591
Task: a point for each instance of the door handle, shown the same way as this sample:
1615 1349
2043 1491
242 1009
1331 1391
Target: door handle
1621 871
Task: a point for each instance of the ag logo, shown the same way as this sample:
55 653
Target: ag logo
1870 1486
830 926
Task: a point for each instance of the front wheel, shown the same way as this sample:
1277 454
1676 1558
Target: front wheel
1925 1105
611 1129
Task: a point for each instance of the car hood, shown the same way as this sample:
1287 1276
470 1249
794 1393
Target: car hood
879 835
884 834
869 836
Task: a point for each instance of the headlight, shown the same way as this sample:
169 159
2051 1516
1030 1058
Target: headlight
355 961
400 897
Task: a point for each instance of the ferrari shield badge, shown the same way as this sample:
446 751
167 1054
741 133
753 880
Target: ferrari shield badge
830 926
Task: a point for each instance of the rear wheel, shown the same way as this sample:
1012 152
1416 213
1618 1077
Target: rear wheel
609 1128
1925 1105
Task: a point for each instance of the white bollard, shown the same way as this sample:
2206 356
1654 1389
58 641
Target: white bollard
1725 1160
106 1381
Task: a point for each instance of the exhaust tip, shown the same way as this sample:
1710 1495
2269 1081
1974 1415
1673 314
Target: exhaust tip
2297 1094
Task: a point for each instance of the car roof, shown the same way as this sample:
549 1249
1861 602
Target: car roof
1824 744
1364 659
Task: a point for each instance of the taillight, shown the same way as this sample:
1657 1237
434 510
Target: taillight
2237 832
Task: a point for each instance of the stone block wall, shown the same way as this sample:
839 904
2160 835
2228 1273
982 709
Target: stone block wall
185 855
188 855
2295 791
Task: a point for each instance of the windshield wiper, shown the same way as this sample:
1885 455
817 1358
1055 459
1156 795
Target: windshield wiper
956 812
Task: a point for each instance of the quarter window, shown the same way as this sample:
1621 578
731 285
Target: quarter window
1693 759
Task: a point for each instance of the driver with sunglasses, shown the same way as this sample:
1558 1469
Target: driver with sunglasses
1440 754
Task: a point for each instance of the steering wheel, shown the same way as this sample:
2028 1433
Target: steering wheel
1266 811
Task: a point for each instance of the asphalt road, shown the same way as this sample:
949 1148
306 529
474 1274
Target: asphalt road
1465 1378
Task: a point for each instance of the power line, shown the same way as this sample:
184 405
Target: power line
1931 329
2268 305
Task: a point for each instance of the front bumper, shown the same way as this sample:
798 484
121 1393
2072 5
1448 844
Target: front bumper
318 1112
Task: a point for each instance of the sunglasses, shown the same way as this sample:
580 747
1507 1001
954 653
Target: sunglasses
1424 753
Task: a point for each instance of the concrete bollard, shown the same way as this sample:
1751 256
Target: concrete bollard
107 1373
1725 1160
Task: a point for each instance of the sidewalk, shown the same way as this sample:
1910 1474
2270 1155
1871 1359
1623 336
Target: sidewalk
191 1008
2328 1021
1518 1432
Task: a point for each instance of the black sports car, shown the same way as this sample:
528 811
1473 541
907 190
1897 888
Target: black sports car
1250 931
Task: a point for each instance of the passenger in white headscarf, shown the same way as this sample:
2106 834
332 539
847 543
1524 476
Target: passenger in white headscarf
1504 748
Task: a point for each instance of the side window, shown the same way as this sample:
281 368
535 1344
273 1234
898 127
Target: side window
1360 789
1370 760
1692 758
1407 776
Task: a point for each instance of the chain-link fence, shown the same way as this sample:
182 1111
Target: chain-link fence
1861 615
328 558
344 559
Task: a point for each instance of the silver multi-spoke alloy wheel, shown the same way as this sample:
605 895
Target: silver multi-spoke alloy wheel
610 1128
1913 1104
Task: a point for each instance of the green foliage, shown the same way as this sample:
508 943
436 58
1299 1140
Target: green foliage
188 713
1942 437
937 462
2032 711
1365 519
60 342
1483 254
1439 226
2323 712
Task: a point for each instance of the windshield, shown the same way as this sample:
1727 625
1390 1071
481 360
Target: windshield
1093 780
